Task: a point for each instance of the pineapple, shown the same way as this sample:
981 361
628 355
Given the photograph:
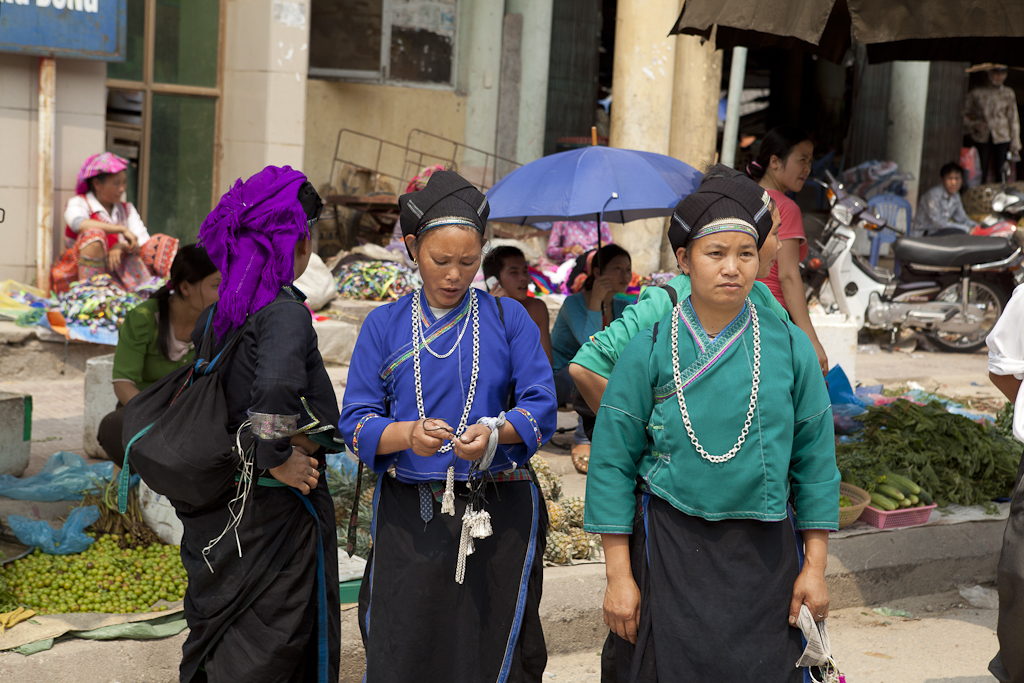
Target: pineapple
580 540
559 549
550 483
574 510
557 517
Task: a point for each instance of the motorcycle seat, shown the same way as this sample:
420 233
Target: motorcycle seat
951 251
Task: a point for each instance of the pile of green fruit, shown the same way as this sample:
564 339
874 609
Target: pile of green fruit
892 491
103 578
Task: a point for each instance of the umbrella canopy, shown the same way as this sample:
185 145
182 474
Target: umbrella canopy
586 184
945 30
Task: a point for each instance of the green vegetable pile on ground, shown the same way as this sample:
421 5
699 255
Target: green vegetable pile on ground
952 457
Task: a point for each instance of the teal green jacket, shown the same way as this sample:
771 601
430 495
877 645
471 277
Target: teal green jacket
602 351
788 452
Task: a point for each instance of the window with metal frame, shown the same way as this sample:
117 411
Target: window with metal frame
163 111
384 41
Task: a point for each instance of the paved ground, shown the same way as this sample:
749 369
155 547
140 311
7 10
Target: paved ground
953 643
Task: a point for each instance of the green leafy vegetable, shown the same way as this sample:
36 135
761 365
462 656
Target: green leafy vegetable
953 458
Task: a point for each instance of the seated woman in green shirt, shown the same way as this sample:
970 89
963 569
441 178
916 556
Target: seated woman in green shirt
154 338
720 413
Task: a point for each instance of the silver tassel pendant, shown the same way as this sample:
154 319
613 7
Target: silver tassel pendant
448 500
465 546
481 525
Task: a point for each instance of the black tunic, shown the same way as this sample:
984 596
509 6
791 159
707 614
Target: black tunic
273 613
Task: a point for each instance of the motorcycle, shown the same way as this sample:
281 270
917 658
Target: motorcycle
1007 210
952 288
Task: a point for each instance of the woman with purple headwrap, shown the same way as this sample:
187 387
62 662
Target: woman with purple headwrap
104 234
265 607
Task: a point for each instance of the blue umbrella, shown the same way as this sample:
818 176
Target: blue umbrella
592 183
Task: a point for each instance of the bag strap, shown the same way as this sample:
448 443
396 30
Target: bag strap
673 296
672 293
232 342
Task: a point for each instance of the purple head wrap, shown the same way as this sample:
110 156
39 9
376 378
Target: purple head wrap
251 237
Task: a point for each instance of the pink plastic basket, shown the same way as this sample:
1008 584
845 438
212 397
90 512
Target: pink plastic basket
881 519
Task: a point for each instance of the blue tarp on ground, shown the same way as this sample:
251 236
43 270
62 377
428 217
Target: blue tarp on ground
66 476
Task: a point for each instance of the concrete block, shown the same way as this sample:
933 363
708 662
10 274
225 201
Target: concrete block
336 339
354 310
99 400
839 337
15 432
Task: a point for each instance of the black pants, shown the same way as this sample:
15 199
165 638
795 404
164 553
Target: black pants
110 436
996 152
1008 665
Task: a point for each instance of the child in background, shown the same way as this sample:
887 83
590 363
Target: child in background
508 266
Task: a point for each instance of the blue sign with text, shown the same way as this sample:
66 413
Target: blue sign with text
86 29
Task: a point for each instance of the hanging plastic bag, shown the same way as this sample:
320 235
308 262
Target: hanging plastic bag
317 283
67 540
65 476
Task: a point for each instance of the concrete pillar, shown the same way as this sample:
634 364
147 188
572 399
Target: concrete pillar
696 90
480 27
264 105
509 93
533 89
642 87
908 99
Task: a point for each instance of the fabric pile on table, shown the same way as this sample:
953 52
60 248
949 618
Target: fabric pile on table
374 280
98 303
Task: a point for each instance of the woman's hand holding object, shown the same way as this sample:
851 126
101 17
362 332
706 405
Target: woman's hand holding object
472 444
426 436
809 589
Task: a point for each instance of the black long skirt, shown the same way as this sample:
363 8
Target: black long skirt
273 613
714 600
418 624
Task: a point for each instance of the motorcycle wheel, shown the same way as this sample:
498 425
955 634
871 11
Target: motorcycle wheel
987 292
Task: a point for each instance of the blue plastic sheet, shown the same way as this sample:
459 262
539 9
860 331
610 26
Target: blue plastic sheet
67 540
846 406
66 476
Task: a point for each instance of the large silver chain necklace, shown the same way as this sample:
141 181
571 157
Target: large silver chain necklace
677 373
418 335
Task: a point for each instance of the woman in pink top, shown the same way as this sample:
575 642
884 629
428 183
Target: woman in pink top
783 164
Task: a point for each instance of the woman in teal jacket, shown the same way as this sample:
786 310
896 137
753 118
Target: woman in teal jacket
720 412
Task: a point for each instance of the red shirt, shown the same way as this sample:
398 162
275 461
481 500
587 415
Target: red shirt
792 228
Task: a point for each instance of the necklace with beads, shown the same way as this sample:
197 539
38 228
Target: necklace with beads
755 383
418 336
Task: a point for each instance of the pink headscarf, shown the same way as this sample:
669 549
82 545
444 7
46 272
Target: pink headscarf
108 162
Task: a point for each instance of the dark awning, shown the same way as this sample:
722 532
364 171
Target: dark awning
947 30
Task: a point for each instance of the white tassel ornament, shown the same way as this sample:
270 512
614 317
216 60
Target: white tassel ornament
448 500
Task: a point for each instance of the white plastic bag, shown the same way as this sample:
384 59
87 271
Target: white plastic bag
317 283
158 514
980 597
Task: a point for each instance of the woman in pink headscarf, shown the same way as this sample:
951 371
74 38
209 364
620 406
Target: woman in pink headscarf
106 235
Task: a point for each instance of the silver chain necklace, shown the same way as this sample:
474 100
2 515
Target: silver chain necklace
417 334
676 313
